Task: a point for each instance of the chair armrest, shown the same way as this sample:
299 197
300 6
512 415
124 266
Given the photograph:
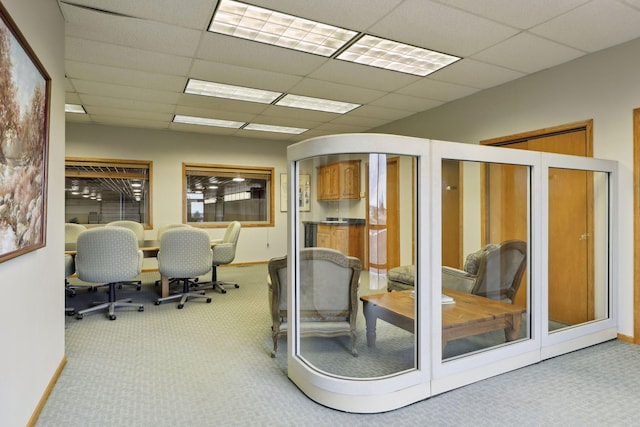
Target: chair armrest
458 280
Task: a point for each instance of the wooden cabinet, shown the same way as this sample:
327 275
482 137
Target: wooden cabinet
348 239
339 181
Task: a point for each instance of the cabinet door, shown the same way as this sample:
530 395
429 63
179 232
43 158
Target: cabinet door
323 236
340 239
350 180
328 182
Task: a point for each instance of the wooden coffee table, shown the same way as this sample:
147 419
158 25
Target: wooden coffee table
469 315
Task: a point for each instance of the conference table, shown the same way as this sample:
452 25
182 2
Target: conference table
149 248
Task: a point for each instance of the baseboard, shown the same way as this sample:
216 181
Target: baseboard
626 338
47 392
239 264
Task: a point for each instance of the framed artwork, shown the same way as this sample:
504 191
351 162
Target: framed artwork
304 193
24 138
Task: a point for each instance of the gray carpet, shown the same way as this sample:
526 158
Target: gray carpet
209 364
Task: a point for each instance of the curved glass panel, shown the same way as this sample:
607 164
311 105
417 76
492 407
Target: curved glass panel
356 301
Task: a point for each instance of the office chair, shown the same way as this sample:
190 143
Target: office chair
224 252
69 269
108 255
138 229
184 253
161 231
71 233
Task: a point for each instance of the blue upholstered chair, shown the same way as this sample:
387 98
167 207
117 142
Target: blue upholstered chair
108 255
184 253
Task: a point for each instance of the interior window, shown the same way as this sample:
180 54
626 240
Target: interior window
215 195
98 191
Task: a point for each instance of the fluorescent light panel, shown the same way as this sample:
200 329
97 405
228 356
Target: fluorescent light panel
191 120
280 29
74 108
220 90
267 26
278 129
390 55
317 104
207 122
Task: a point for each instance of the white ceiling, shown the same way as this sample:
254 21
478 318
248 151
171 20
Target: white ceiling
128 61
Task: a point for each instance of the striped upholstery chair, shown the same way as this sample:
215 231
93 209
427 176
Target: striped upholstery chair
184 254
108 255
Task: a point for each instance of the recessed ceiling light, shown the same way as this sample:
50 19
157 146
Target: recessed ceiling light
238 179
390 55
220 90
74 108
317 104
207 122
271 128
280 29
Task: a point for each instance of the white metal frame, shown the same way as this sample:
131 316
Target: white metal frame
432 375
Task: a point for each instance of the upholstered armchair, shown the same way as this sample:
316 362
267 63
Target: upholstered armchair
138 229
495 272
328 299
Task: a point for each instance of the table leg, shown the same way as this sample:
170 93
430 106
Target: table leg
512 332
370 318
164 286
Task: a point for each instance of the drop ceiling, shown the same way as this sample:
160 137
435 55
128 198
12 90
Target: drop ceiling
128 61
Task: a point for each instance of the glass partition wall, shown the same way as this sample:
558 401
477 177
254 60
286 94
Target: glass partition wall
418 266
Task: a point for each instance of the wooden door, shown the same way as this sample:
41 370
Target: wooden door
570 280
451 212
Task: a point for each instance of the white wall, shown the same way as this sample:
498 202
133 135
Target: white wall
603 86
168 150
32 315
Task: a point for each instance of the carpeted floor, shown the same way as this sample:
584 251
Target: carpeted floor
209 364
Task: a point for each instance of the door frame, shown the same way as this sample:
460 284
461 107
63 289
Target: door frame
636 231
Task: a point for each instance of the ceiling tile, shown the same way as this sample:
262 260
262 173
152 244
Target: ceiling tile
405 102
434 26
132 32
82 50
528 53
244 53
196 16
476 74
435 90
362 76
243 76
128 114
596 25
126 104
121 76
126 92
521 14
335 91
